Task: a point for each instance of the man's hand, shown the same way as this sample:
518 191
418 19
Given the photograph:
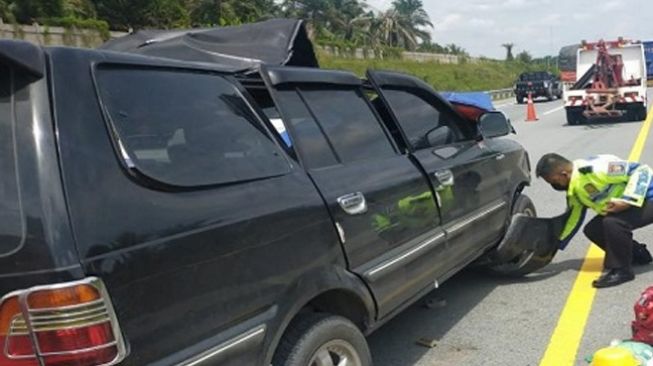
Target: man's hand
616 207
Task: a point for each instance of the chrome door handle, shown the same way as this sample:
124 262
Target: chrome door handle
353 203
444 177
499 156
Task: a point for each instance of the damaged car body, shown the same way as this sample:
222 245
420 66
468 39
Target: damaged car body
230 215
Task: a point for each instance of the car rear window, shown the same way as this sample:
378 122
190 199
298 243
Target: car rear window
186 128
11 217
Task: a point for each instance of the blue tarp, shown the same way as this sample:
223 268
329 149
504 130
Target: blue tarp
476 99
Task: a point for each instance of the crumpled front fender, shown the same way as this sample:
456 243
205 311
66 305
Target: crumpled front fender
530 243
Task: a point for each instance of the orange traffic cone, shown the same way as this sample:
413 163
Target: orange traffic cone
531 116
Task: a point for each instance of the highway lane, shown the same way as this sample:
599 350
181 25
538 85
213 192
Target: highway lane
493 321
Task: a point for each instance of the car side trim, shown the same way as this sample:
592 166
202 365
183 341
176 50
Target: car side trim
455 227
220 352
399 261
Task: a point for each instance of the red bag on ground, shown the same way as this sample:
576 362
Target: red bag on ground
642 326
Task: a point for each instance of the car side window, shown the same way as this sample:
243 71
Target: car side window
313 145
422 123
349 123
185 128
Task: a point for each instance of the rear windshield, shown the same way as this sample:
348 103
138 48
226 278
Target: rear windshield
11 217
187 128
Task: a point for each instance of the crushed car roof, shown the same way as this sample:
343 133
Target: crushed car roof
271 42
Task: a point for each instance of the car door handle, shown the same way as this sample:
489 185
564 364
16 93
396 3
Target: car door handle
353 203
499 156
444 177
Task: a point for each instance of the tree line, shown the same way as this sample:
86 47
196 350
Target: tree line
405 24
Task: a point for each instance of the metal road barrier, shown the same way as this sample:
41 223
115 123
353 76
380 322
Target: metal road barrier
501 93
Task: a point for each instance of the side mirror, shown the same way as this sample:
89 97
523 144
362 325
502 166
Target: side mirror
494 124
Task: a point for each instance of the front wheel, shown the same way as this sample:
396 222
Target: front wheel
520 265
317 339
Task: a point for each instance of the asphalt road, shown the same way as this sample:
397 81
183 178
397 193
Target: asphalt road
490 321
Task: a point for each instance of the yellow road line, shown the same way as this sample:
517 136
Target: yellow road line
568 334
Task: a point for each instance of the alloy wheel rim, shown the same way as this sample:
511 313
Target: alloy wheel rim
336 353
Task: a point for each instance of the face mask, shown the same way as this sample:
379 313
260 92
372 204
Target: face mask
558 187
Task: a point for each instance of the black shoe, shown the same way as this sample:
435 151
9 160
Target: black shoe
614 277
641 255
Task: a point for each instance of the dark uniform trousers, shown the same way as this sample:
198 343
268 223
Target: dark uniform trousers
614 234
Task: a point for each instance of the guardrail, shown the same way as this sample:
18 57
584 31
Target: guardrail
501 94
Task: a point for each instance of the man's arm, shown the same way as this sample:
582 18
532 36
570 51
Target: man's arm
639 179
574 222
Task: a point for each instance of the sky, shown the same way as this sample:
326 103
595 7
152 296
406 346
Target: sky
540 27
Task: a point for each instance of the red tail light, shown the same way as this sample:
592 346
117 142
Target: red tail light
70 324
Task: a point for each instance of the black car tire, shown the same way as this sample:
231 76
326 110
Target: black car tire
574 116
322 335
637 113
520 99
523 205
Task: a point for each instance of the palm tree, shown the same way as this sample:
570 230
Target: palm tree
509 47
403 25
339 19
228 12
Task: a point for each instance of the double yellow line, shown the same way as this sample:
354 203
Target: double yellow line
568 334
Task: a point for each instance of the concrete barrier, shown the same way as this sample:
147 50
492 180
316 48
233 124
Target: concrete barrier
54 36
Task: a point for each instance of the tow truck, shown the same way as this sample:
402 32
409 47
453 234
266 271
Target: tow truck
611 82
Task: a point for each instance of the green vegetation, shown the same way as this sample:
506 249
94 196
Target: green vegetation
404 25
469 76
345 25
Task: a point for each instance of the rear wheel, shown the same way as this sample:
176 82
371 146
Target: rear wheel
575 116
317 339
520 99
518 266
637 113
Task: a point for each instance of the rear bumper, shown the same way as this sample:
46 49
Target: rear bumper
535 92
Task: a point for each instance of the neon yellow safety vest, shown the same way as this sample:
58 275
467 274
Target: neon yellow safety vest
599 180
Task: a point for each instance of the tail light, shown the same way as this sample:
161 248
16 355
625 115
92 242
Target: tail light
70 324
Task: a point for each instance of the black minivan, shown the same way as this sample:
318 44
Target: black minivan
159 212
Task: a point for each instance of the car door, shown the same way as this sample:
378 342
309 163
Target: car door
465 172
381 203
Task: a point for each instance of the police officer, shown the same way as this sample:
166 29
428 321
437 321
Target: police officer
620 192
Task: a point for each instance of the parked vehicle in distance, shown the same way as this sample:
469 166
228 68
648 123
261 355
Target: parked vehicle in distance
611 84
648 55
538 84
154 205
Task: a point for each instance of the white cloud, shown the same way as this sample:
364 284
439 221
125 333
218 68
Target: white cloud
451 21
538 26
610 5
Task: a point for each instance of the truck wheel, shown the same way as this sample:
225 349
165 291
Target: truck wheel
574 116
523 205
520 99
641 113
322 340
636 112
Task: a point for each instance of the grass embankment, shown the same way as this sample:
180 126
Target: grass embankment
470 76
